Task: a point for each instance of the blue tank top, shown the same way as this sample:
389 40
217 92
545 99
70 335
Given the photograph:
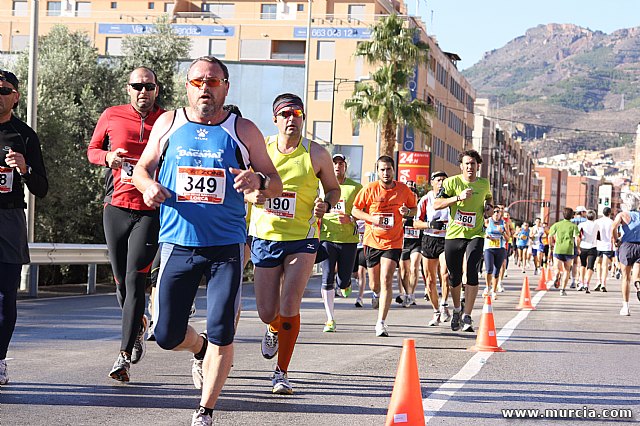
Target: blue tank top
494 230
204 210
632 229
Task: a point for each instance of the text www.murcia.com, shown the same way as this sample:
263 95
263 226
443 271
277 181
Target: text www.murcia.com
568 413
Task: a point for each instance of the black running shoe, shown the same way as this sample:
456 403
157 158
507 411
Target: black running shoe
455 321
637 286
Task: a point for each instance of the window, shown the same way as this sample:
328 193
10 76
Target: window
114 46
300 7
326 50
218 47
322 131
168 7
356 11
83 9
19 43
114 5
255 49
223 10
54 8
20 8
324 91
288 50
151 5
267 11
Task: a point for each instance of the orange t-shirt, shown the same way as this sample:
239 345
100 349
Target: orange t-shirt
376 200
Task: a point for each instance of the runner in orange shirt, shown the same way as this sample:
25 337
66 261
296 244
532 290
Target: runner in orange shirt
385 205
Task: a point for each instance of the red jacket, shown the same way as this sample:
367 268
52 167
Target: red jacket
121 127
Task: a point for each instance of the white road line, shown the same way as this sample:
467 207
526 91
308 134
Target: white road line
441 396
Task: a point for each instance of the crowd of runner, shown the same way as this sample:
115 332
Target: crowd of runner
201 190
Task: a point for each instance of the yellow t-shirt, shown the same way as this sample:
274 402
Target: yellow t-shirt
289 217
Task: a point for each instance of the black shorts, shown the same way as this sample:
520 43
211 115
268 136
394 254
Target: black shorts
373 255
360 260
609 253
454 252
432 247
588 257
411 245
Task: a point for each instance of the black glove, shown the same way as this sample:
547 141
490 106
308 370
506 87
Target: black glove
408 221
437 224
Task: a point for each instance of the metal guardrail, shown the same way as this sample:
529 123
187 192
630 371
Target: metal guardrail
66 254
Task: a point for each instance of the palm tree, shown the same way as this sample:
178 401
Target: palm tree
386 100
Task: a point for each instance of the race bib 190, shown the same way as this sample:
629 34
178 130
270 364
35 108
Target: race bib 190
6 180
126 173
283 206
466 219
200 185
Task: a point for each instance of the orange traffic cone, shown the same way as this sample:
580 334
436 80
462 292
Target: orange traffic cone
487 340
406 400
542 283
525 296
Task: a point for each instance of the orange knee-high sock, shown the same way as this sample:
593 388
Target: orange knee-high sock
287 337
274 325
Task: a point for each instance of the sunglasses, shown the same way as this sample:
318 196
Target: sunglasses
211 82
139 86
6 91
288 113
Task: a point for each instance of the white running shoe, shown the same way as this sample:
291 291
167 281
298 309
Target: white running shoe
4 374
196 373
485 293
280 381
201 419
407 301
446 314
625 311
375 302
120 370
381 330
140 345
436 319
269 344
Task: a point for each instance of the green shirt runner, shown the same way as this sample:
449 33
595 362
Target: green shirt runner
565 232
467 217
330 227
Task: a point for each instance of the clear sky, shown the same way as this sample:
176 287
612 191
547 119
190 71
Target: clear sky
471 27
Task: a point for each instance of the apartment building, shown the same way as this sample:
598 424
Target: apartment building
265 46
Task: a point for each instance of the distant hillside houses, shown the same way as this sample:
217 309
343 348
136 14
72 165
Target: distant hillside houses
612 163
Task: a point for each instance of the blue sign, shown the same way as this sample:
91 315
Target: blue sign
332 32
409 140
181 30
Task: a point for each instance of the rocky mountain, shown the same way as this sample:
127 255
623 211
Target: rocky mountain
560 77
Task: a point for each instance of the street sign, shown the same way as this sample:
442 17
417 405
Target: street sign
415 166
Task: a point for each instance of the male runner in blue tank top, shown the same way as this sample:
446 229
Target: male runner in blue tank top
628 245
207 155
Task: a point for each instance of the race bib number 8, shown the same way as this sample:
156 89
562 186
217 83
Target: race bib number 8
466 219
200 185
6 180
387 220
126 173
283 206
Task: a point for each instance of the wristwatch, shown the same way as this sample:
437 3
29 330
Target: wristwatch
27 173
264 181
